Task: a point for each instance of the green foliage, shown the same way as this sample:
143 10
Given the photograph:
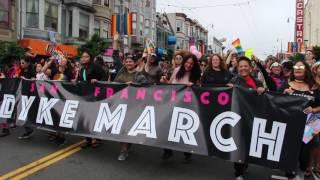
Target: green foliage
95 45
10 51
316 52
297 56
170 54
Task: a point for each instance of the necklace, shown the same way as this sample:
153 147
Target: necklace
298 81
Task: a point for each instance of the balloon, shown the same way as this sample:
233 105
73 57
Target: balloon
198 55
193 48
194 52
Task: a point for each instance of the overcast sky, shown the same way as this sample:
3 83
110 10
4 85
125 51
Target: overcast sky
260 24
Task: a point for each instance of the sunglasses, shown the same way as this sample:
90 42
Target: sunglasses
202 64
301 67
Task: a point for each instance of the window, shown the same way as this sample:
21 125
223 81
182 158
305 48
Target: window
84 26
147 31
179 26
105 30
153 24
147 23
134 28
70 24
97 27
107 3
96 2
187 30
134 5
117 6
4 13
134 17
116 9
32 13
51 16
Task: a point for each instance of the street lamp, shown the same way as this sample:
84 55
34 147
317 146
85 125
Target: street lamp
293 20
210 40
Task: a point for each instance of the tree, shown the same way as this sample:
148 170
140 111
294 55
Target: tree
95 45
170 54
316 52
297 56
10 51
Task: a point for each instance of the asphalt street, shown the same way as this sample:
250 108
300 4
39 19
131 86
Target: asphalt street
101 163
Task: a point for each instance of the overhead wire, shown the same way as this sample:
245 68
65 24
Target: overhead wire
208 6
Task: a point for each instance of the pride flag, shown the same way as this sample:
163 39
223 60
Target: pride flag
236 44
115 26
127 30
294 47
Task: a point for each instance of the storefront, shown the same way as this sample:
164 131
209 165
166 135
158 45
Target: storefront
44 48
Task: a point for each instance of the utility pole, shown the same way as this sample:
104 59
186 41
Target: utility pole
121 26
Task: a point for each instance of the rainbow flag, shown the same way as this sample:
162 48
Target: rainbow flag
115 26
127 19
294 47
236 44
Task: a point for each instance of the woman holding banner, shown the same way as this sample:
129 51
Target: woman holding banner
27 72
128 74
90 72
314 110
188 74
301 84
216 72
4 126
152 68
244 79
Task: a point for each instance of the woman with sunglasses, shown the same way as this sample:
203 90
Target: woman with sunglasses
177 60
189 74
216 73
315 109
91 73
27 72
301 84
203 64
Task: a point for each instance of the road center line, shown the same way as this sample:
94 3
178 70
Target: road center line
46 164
40 161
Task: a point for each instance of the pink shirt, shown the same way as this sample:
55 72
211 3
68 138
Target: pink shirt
183 80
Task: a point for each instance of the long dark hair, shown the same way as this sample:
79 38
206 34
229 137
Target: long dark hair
89 53
308 78
195 73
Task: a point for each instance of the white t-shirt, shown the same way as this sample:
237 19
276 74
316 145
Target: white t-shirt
41 76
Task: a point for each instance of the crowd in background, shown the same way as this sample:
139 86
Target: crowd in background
299 78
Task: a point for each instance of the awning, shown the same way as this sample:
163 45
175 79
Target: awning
42 47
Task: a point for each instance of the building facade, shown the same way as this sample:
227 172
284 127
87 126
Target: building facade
312 23
217 46
46 24
78 17
188 32
102 20
39 17
8 21
143 21
164 30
